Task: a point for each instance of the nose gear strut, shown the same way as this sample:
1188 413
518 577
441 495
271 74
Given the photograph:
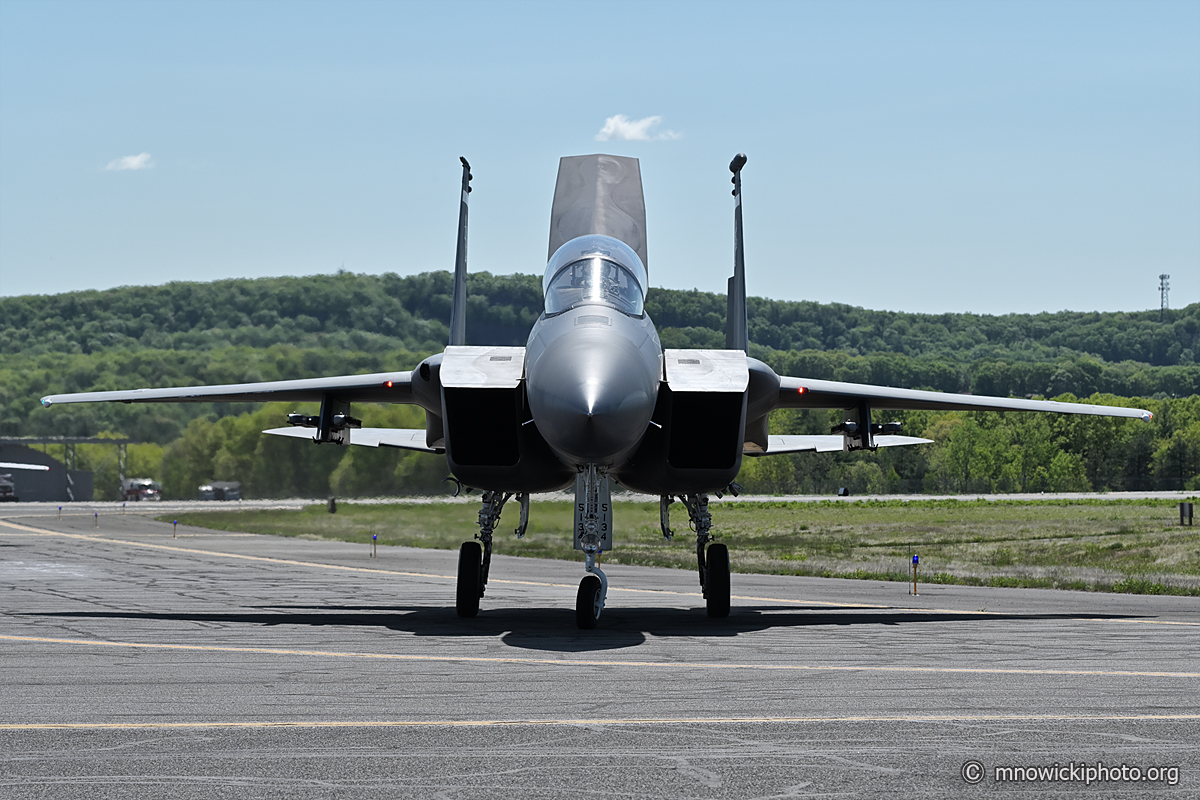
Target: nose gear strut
593 535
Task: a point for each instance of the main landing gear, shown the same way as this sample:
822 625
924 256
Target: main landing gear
713 563
593 535
475 558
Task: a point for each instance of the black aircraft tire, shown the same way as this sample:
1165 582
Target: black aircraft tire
716 593
470 557
587 602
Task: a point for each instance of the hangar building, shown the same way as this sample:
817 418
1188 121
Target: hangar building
59 485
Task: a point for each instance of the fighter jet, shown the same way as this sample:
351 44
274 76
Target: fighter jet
593 398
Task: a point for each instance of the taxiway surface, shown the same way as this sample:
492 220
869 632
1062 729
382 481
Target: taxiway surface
219 665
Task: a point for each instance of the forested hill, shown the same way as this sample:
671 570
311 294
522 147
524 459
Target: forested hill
376 313
236 331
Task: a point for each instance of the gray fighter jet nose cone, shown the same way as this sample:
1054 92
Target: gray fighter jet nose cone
592 403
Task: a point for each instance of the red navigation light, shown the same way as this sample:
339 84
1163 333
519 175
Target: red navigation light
388 384
802 390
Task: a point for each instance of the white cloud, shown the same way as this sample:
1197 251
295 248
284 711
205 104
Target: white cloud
140 161
621 127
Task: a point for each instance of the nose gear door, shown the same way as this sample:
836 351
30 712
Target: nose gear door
593 511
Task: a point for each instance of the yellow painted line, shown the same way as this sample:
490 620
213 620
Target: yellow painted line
193 551
376 571
1143 621
213 535
576 662
484 723
106 515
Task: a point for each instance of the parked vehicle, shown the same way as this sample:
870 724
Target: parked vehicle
8 491
139 489
221 490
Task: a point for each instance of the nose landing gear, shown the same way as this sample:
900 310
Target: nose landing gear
593 535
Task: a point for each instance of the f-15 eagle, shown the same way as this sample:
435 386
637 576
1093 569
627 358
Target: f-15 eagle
593 398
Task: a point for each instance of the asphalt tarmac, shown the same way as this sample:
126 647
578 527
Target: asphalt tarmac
136 664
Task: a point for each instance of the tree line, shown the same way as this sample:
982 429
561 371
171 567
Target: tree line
386 312
26 378
237 331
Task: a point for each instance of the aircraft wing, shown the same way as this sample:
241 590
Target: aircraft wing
403 438
811 393
820 443
13 465
379 387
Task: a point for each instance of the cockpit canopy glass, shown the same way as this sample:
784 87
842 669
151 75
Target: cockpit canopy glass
595 269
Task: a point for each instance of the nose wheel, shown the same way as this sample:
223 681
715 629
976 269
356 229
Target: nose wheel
589 602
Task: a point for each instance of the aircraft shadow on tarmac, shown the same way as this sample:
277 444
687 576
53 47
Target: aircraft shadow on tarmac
553 629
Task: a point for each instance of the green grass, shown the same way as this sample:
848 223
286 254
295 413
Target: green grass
1094 545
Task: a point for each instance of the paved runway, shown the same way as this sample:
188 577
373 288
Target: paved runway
228 665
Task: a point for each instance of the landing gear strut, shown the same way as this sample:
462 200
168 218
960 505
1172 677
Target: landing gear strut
475 558
713 565
593 535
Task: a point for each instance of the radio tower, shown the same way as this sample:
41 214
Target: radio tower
1164 287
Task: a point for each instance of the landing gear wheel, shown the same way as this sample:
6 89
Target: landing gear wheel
716 590
470 556
587 602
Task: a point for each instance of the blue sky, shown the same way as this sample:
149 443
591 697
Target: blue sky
970 156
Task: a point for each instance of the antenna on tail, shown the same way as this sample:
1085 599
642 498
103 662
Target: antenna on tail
737 333
458 303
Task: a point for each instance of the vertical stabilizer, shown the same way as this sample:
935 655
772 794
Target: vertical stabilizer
458 303
737 333
599 194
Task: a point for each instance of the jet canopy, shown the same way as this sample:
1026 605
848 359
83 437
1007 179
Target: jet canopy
595 270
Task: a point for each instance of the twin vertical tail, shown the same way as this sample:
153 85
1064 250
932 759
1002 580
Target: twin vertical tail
737 332
458 304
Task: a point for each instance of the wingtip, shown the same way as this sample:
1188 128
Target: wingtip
47 402
1148 416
